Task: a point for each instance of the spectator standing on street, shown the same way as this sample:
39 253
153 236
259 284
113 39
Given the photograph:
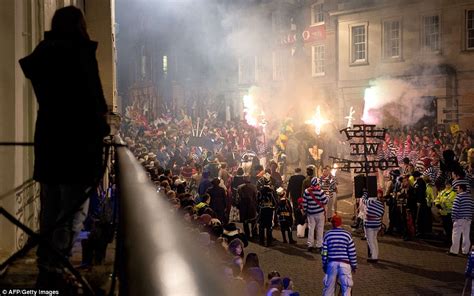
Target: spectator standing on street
285 217
463 208
329 186
309 176
339 258
314 201
444 202
218 200
247 193
65 77
295 188
373 222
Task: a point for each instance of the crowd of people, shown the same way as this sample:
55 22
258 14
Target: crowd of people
217 178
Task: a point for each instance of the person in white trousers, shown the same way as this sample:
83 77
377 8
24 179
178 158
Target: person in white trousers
373 222
463 209
314 201
339 258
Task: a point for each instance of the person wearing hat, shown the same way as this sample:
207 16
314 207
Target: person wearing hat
285 217
339 258
373 222
231 232
314 200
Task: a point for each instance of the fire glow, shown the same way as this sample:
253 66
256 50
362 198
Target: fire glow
254 116
317 121
371 104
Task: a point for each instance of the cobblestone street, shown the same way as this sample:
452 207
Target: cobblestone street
405 268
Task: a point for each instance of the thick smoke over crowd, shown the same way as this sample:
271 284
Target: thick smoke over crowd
218 34
394 99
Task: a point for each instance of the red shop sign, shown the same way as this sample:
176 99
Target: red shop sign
310 34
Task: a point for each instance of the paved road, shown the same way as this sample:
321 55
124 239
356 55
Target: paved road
404 268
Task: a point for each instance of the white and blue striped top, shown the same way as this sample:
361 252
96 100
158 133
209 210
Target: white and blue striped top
309 205
375 211
462 181
432 173
463 206
339 246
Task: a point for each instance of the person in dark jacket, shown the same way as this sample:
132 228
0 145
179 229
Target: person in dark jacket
247 193
70 121
237 180
285 219
423 216
218 199
295 188
266 205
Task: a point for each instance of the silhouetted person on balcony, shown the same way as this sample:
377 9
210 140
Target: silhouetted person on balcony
70 124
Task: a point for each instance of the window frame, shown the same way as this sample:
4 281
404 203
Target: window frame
352 60
392 58
466 29
424 48
313 16
313 61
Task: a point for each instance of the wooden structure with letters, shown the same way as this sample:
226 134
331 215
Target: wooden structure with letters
366 148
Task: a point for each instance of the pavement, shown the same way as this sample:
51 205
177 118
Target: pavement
419 267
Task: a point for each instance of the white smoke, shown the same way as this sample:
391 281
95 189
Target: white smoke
392 100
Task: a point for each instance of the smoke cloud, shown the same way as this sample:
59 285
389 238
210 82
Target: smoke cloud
395 101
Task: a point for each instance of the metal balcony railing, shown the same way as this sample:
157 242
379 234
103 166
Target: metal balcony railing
159 256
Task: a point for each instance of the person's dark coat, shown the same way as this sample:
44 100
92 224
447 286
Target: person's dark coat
70 123
218 201
248 201
295 187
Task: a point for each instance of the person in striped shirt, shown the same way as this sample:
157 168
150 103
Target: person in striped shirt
463 209
314 200
339 258
329 186
373 222
459 177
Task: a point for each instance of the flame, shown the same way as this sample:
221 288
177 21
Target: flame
371 104
318 121
334 170
253 115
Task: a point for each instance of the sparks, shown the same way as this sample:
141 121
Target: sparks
318 121
349 117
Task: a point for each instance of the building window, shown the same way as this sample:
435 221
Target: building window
470 29
431 33
317 14
318 56
247 69
359 44
392 39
